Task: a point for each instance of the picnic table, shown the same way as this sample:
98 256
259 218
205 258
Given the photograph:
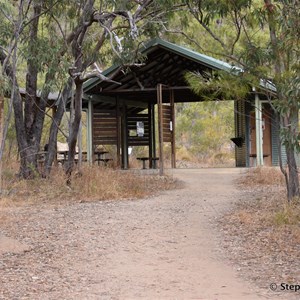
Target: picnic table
62 156
101 157
145 158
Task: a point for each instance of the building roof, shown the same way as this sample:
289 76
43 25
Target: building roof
163 62
190 54
164 46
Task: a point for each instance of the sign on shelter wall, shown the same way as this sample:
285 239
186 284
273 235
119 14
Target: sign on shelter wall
140 129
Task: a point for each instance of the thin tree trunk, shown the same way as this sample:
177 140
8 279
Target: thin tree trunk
41 109
282 167
26 156
30 104
78 69
74 128
293 182
61 108
291 124
77 41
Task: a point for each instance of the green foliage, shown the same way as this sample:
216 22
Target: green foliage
4 85
208 10
7 13
205 128
265 41
220 86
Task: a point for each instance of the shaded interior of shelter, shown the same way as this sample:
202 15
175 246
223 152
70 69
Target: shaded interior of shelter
157 82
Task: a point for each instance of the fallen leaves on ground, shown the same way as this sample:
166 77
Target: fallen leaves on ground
262 232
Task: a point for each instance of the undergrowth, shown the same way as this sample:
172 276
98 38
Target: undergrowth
289 214
265 228
91 184
272 203
263 176
269 206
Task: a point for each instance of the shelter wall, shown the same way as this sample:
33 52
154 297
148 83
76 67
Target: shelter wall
275 144
244 125
240 120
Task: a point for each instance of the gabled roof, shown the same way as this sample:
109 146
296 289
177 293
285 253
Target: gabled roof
190 54
187 57
163 62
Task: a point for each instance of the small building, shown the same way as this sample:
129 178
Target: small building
257 121
121 107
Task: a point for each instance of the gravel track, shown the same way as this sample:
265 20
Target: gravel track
163 247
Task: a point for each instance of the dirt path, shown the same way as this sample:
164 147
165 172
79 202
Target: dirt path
165 247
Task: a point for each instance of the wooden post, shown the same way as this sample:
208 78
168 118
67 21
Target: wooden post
124 138
90 132
150 135
55 162
259 133
119 135
152 149
80 145
173 142
160 129
153 130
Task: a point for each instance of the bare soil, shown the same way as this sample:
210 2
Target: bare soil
169 246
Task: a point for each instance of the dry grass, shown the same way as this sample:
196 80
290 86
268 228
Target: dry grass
92 184
244 217
183 154
263 176
186 159
221 159
270 203
265 227
289 214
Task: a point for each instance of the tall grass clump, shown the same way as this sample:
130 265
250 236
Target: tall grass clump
92 183
263 176
289 214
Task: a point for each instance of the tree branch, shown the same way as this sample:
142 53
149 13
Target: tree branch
200 21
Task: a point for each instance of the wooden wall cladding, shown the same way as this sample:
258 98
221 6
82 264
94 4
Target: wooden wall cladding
105 127
167 119
134 139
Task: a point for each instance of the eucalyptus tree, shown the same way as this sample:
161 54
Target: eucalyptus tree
58 41
117 25
264 40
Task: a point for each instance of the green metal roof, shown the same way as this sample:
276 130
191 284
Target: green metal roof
205 60
165 63
190 54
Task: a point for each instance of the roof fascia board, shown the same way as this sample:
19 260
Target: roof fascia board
101 99
112 100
